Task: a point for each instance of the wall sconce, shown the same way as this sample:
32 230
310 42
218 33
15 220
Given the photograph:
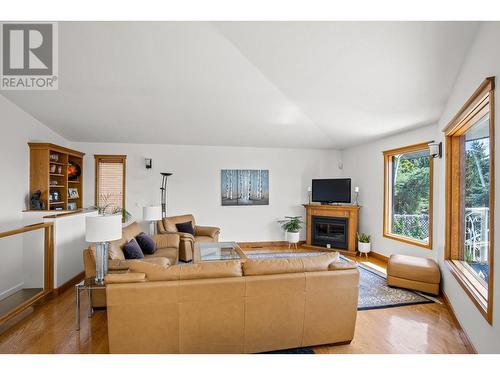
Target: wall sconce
149 163
435 149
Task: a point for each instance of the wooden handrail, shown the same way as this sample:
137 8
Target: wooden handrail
48 266
27 228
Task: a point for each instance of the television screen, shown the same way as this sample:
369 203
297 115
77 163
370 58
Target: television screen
332 190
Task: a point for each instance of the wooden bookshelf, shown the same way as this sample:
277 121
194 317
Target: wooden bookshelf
49 174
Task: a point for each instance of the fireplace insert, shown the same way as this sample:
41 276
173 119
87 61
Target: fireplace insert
331 231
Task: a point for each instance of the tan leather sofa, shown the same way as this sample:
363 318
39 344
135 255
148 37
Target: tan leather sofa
167 253
232 307
187 242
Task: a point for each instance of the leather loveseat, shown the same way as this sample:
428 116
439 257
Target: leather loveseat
231 306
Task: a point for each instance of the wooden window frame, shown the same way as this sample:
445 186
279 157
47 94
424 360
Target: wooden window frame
388 197
478 104
122 159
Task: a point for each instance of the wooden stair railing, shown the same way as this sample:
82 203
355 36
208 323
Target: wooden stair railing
48 267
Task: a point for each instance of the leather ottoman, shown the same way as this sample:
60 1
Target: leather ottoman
415 273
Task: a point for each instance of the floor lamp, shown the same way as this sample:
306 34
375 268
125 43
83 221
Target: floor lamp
164 193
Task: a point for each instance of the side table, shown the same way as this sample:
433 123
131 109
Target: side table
88 284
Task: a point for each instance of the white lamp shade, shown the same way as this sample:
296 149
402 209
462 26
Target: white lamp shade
103 228
151 213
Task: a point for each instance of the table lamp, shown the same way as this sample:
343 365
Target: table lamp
100 230
151 214
356 191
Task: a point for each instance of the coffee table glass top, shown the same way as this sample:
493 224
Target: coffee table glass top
212 251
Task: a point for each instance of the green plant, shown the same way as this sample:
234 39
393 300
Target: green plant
291 223
364 238
105 208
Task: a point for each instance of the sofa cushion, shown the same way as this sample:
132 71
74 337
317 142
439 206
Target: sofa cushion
169 222
339 265
203 239
155 272
115 247
147 244
186 227
211 270
131 231
119 278
206 270
165 252
320 262
253 267
132 250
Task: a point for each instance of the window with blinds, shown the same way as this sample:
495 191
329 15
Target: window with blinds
110 181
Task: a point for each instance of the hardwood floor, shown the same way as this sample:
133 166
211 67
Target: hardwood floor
427 328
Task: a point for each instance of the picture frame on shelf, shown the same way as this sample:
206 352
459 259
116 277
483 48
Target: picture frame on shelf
73 193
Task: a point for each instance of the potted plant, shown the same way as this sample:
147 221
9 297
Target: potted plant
364 245
292 225
105 208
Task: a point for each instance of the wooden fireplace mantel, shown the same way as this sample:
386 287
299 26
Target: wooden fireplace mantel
345 211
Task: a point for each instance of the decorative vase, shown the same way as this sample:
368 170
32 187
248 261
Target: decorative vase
292 237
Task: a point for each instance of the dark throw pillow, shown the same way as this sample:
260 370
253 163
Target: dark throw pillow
132 250
147 244
186 227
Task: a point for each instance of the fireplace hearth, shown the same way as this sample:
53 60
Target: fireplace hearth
335 225
330 231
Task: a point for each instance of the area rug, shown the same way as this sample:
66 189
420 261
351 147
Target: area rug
306 350
373 290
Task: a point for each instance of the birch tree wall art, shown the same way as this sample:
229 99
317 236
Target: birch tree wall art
245 187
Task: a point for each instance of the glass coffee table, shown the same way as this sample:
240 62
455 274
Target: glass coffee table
217 251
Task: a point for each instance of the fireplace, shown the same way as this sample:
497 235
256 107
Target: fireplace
333 231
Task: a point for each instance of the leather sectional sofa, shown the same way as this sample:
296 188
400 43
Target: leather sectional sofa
231 306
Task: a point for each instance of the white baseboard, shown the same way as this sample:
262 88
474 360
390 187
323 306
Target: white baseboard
11 291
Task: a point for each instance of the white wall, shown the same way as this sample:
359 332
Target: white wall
482 61
18 128
195 186
365 165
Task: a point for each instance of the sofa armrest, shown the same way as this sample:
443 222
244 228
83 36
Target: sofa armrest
206 231
166 240
186 236
338 265
120 278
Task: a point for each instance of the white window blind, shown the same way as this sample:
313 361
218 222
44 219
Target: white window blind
110 184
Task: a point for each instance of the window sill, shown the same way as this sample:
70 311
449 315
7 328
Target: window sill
475 291
409 240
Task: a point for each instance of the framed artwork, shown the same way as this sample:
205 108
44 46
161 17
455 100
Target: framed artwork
245 187
73 193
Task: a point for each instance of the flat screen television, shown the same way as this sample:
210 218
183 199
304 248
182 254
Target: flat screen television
332 190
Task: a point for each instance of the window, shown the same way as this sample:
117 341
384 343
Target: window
110 181
469 197
408 195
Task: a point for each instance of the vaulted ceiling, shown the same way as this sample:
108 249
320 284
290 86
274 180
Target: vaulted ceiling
265 84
